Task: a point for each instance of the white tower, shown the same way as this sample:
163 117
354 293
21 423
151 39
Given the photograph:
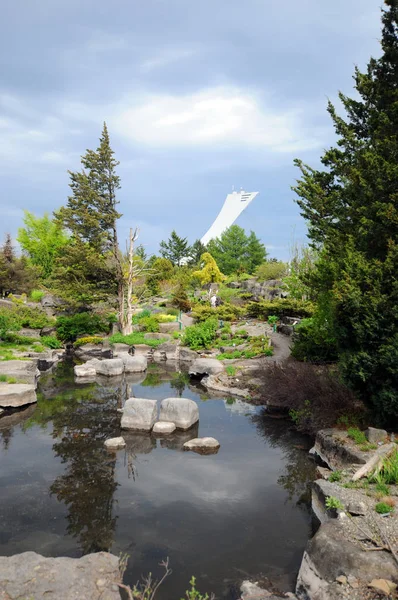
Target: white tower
235 203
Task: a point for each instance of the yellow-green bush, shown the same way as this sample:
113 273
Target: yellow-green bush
225 312
90 339
281 307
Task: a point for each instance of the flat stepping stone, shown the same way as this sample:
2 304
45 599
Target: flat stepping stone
163 428
115 443
14 395
206 445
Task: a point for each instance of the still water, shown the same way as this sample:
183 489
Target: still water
238 514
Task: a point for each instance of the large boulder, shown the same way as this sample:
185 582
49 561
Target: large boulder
169 327
205 366
24 371
121 349
187 355
110 367
87 351
86 370
14 395
139 414
181 411
206 445
166 351
134 364
30 575
157 336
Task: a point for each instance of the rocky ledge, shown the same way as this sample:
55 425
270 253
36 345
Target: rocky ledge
30 575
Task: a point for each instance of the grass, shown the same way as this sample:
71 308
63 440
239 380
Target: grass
7 379
367 447
357 435
231 370
382 508
382 488
335 476
388 472
332 502
137 337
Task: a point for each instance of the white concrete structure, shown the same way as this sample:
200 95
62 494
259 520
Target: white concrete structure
235 203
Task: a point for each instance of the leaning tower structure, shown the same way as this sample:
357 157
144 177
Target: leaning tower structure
234 204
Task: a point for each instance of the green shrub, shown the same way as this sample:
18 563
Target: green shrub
383 509
388 473
50 341
137 337
11 380
233 354
332 502
141 315
176 335
201 335
9 322
3 378
382 488
92 339
68 328
225 312
193 593
272 319
149 324
314 341
36 295
357 435
241 332
32 317
163 318
271 270
230 370
284 307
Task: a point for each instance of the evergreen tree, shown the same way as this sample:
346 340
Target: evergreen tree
42 240
352 212
16 275
175 249
210 273
197 250
93 256
236 252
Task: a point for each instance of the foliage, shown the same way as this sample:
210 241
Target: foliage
388 472
193 593
383 508
301 267
225 312
42 239
233 354
315 341
201 335
149 324
7 379
69 328
175 249
352 214
236 252
209 273
230 370
282 307
9 322
196 252
357 435
163 318
272 319
137 337
180 299
16 274
90 339
332 502
382 488
160 269
271 270
50 341
335 476
37 295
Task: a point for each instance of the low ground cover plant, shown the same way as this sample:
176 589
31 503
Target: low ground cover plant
137 337
283 307
90 339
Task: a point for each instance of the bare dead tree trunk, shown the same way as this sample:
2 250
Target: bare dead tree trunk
126 304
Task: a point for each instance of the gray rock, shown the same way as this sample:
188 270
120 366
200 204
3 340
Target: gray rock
86 370
142 350
14 395
87 351
139 414
163 428
134 364
181 411
110 367
166 351
30 575
374 435
157 336
356 508
329 554
252 591
24 371
169 327
187 355
49 330
121 348
206 366
206 445
115 443
332 447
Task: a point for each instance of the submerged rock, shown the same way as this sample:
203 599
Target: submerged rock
14 395
181 411
115 443
110 367
163 428
206 445
206 366
139 414
30 575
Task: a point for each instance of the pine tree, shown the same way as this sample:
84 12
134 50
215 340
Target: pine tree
210 273
352 211
175 249
236 252
197 250
256 253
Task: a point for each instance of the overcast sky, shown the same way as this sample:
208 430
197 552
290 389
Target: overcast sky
198 97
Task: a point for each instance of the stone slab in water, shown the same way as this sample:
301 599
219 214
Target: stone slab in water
134 364
86 370
110 367
181 411
14 395
115 443
163 428
206 366
139 414
25 371
30 575
206 445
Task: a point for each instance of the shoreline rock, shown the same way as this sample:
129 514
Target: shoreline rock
15 395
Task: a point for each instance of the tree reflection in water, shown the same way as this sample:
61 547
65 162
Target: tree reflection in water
83 418
299 470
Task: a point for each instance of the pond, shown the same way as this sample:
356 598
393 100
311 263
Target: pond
241 513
